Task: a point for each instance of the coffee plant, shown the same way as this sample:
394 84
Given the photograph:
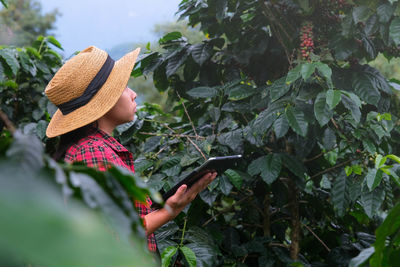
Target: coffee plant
285 83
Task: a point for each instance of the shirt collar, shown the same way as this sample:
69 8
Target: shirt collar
109 140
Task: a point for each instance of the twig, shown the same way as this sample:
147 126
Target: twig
278 245
315 157
174 135
161 150
10 126
332 168
198 149
319 239
187 114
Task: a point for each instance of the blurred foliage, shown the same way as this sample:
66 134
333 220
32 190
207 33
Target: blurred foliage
55 230
41 228
389 68
22 22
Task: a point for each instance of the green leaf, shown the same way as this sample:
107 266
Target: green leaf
255 167
9 57
352 107
234 178
175 60
394 157
321 109
394 30
189 255
295 165
380 132
201 52
389 226
41 129
369 146
225 185
170 37
325 182
203 246
361 14
264 121
326 72
379 161
373 178
28 151
353 97
54 41
278 89
339 194
271 169
74 230
167 255
5 3
333 97
297 121
203 92
281 126
357 169
329 139
372 25
241 91
26 63
306 70
348 170
364 255
372 200
293 75
233 139
384 12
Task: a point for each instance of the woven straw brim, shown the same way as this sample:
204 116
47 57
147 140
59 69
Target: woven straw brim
100 104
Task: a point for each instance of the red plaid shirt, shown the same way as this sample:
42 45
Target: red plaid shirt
101 150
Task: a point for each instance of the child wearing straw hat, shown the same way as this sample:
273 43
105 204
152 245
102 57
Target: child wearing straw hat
91 93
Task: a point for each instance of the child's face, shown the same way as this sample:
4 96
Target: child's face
125 108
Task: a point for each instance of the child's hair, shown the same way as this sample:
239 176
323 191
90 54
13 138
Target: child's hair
68 139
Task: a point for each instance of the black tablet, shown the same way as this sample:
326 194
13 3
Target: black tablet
218 164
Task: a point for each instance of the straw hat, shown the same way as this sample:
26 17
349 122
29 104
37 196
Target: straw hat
86 87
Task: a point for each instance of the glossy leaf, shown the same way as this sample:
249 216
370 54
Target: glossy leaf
339 194
362 257
234 178
9 58
201 52
241 92
281 126
321 109
373 178
371 201
167 255
333 97
306 70
394 30
279 88
189 256
203 92
296 121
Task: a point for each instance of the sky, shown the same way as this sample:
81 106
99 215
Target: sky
108 23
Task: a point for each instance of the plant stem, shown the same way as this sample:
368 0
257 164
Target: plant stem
183 232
